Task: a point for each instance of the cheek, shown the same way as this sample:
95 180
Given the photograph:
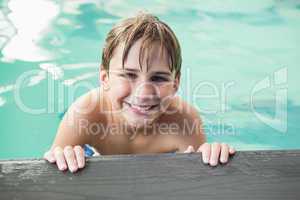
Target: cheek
119 90
166 91
166 95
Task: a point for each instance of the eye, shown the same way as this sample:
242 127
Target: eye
159 79
129 75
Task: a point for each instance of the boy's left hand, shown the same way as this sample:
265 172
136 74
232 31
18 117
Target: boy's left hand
212 153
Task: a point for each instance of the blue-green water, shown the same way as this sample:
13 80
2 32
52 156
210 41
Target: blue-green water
233 52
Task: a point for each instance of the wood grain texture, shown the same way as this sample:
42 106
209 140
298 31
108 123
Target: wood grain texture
249 175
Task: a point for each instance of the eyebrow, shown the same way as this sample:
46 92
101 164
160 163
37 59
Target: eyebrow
155 72
132 70
162 73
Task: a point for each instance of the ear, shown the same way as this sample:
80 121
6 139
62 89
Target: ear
176 82
103 76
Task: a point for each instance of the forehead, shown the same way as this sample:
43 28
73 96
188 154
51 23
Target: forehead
154 58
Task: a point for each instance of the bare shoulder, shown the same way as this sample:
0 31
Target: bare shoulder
183 110
87 102
91 108
75 126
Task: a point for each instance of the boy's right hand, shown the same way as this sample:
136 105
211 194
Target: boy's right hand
71 158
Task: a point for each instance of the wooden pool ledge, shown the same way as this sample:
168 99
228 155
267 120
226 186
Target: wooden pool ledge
249 175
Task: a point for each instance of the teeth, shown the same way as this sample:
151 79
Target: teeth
142 108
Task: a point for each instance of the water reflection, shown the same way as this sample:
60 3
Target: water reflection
30 28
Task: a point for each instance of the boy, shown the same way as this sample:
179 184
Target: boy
135 109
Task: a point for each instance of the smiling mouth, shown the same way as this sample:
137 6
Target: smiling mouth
141 109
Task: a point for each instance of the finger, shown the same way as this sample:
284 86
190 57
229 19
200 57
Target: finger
224 153
49 156
205 149
70 158
231 150
60 159
203 146
215 153
79 153
190 149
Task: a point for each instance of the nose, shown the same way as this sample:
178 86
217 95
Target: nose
145 92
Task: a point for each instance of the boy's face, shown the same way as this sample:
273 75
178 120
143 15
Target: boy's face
140 94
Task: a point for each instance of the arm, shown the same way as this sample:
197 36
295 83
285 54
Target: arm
66 149
71 130
194 139
191 128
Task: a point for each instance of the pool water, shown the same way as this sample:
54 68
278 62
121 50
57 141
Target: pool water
240 66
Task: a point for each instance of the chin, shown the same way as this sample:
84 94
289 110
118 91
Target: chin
139 121
135 115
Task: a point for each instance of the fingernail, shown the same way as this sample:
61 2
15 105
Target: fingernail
213 163
71 169
205 160
80 165
62 167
